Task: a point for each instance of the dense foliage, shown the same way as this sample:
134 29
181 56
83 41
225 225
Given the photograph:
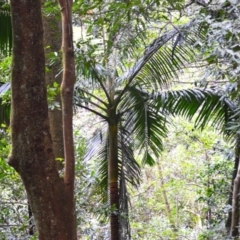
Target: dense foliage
174 180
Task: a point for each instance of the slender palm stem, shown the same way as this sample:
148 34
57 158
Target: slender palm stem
113 174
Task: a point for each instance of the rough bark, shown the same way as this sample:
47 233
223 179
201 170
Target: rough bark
113 176
32 153
52 41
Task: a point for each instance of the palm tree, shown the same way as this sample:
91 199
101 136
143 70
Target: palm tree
136 109
136 115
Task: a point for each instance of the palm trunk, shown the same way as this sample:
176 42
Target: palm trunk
113 176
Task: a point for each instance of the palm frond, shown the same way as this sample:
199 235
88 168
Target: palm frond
164 58
127 165
208 105
99 154
84 99
127 162
129 174
147 125
147 115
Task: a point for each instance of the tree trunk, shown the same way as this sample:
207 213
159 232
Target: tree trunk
32 154
113 176
52 41
229 202
235 198
67 88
